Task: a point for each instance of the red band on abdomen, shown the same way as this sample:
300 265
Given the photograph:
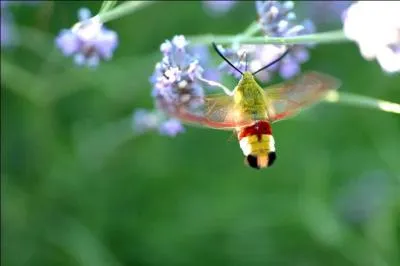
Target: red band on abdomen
258 129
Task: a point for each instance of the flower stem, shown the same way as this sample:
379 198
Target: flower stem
251 30
122 10
362 101
106 6
323 37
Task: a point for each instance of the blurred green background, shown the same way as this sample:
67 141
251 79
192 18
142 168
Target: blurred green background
78 188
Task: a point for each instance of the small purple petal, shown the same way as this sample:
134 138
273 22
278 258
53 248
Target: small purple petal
301 54
276 20
79 59
9 36
84 14
4 31
106 43
166 47
288 5
88 41
212 74
289 68
68 42
381 18
171 127
309 26
175 77
144 120
93 61
179 41
201 53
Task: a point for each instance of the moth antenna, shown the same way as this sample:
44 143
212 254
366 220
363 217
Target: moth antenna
223 57
273 62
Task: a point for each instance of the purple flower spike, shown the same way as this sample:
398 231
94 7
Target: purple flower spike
145 120
8 33
171 127
175 80
68 42
177 83
88 41
276 19
202 54
4 30
375 27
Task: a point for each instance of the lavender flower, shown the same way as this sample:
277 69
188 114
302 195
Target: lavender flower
9 34
217 8
276 20
145 121
88 40
171 127
323 12
202 54
176 84
375 27
7 31
175 80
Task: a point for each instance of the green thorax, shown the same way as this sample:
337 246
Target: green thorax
249 97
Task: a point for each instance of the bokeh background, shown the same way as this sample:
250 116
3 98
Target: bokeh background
79 188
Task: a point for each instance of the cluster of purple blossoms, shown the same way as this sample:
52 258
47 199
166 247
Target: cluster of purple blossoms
202 53
375 27
146 120
276 19
88 41
6 25
8 31
175 78
176 83
324 12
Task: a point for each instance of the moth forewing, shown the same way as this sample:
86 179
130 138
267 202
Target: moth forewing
288 98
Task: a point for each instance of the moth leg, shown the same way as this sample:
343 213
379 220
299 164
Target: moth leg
217 84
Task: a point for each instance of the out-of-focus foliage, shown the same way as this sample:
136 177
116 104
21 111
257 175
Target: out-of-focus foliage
79 188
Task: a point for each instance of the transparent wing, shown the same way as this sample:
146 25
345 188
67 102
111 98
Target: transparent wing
217 111
288 98
219 108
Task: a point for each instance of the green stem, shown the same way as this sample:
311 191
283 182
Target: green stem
362 101
251 30
324 37
123 9
107 5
